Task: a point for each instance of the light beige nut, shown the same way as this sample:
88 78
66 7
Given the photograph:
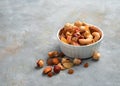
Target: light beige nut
60 65
65 59
68 65
47 69
40 63
96 56
77 61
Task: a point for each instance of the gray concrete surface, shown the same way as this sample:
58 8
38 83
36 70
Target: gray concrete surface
28 31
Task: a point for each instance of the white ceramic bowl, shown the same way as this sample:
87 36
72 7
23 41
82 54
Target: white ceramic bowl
82 52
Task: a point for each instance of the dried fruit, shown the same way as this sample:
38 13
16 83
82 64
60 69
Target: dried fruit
70 71
50 74
96 56
55 61
47 70
61 66
77 61
57 69
40 63
86 65
68 65
49 61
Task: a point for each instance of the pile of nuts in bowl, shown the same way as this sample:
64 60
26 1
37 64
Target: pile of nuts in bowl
79 34
57 61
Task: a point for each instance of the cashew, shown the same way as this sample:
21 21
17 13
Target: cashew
85 41
87 34
96 36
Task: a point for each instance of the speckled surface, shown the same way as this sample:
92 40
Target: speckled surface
28 31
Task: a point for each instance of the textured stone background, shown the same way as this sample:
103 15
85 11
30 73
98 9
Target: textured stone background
28 31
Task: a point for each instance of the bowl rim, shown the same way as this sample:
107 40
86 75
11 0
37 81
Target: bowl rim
102 35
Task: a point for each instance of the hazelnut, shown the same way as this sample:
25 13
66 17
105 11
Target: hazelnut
50 74
49 61
40 63
50 54
70 71
96 56
86 65
77 61
56 69
61 66
53 54
55 61
47 70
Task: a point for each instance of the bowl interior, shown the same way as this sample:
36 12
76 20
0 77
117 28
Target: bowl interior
95 28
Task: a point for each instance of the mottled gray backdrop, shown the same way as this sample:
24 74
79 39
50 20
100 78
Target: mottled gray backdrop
28 31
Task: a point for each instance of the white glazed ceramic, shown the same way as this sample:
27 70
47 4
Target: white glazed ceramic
85 51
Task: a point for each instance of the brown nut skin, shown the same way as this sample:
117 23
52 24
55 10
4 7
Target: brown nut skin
86 65
47 69
50 74
53 54
49 61
56 69
40 63
55 61
77 61
70 71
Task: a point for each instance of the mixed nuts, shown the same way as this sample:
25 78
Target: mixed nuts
58 61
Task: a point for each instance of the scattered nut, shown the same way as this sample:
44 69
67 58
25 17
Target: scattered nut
60 65
65 59
49 61
70 71
50 74
53 54
47 70
40 63
68 65
77 61
86 65
55 61
57 69
96 56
